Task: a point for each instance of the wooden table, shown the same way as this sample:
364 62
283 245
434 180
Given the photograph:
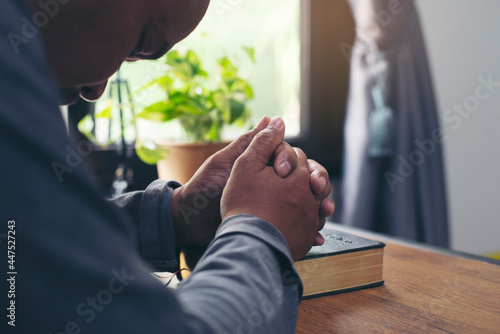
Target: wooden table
426 290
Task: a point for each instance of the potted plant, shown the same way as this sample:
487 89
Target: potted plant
202 105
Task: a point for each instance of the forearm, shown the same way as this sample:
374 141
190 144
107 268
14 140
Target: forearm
245 282
151 212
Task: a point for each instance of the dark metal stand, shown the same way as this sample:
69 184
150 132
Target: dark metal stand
123 180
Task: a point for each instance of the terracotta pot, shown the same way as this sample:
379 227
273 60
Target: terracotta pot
183 160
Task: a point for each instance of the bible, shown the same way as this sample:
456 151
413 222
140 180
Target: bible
345 262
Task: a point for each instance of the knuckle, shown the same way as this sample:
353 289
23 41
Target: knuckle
280 150
290 151
246 138
266 137
213 159
319 168
328 190
286 152
300 154
286 146
242 142
321 224
299 151
241 161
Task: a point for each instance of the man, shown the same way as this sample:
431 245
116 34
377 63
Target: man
77 262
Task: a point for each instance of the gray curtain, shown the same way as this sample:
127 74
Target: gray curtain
403 193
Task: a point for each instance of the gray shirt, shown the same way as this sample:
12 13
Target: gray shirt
81 264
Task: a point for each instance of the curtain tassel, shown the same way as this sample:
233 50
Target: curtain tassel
380 126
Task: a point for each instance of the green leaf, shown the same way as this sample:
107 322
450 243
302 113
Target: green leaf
165 82
106 112
191 108
187 67
249 92
196 64
184 71
237 110
149 155
221 102
243 119
86 126
159 112
226 69
250 52
173 57
215 130
201 73
179 66
192 58
240 85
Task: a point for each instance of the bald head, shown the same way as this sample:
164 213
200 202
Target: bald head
87 40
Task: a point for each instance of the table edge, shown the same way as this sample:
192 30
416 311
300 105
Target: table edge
411 243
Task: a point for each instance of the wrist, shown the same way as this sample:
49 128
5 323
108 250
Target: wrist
183 234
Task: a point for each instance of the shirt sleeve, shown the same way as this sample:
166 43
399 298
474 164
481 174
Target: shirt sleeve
151 213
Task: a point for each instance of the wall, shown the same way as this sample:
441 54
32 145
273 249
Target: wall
463 44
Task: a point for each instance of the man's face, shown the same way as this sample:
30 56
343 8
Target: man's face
87 40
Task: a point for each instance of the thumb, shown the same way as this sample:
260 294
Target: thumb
264 144
238 146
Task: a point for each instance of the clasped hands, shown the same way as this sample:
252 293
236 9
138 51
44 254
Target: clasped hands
260 175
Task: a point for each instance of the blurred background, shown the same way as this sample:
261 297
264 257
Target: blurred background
461 43
303 70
